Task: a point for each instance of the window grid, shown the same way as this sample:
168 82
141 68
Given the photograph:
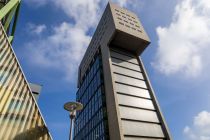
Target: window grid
91 123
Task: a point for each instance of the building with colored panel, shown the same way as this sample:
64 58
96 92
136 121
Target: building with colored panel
20 117
119 102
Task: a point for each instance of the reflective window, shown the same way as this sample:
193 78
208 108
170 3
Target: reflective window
89 123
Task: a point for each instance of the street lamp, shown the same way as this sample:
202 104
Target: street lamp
72 107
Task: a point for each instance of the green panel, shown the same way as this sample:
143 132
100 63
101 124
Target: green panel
11 38
9 17
7 8
9 13
15 20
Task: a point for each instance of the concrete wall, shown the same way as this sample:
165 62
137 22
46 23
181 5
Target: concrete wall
138 110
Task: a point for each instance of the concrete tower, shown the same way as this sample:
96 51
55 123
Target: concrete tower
119 103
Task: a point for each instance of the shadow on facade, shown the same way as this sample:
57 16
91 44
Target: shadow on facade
32 134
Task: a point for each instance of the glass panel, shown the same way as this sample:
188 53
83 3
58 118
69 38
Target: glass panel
130 90
139 138
130 81
138 114
127 72
125 64
135 102
90 119
124 57
142 129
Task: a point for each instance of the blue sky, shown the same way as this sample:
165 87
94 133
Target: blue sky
52 36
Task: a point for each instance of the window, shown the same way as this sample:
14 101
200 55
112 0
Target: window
89 121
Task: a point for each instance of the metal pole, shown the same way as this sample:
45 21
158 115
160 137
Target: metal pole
72 107
71 127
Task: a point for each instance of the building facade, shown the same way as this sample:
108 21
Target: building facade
20 117
119 102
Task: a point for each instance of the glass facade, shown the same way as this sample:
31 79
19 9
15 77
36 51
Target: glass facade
91 123
20 118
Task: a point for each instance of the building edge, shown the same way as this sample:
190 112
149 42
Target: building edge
1 26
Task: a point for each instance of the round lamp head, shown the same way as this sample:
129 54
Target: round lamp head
73 106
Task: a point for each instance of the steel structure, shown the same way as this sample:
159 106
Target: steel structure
9 11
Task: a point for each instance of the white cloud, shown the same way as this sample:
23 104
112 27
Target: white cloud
183 46
200 129
65 47
121 2
62 50
84 12
36 29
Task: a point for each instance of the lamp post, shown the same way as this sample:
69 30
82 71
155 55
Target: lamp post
72 107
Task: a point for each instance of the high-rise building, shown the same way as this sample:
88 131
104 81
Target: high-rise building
20 117
119 102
